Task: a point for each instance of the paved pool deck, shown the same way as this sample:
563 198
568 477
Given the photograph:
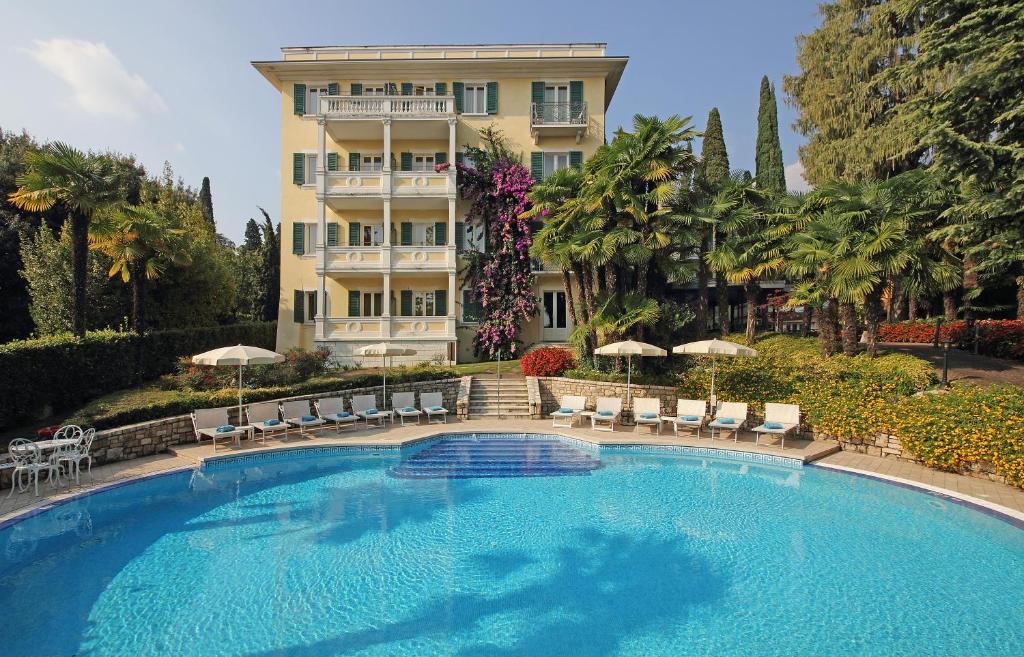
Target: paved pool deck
993 495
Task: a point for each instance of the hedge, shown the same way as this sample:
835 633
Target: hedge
153 404
47 375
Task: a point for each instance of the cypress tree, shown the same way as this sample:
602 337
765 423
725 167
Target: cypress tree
770 171
714 169
206 203
253 236
714 160
271 281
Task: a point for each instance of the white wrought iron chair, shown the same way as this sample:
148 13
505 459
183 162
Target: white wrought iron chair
27 460
78 453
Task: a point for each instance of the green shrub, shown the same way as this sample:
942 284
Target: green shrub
54 373
299 365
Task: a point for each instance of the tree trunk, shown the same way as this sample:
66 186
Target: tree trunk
912 308
722 296
703 277
569 299
949 305
1020 298
79 265
138 280
805 327
872 316
584 274
611 279
848 318
893 311
751 289
827 329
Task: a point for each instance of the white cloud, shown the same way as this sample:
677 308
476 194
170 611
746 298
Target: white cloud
99 82
795 178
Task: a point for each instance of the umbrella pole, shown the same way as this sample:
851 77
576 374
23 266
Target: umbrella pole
629 378
384 392
239 393
713 400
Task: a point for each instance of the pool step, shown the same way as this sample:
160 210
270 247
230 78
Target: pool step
464 457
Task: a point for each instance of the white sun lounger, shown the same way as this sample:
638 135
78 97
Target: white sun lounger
432 404
734 411
647 411
265 418
571 408
362 404
690 408
297 414
207 421
608 410
404 405
332 409
779 419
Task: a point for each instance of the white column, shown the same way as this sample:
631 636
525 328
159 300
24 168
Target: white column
451 184
321 240
387 221
451 294
385 323
386 160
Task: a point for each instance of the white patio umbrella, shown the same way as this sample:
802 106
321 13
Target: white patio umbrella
384 350
240 355
630 348
714 348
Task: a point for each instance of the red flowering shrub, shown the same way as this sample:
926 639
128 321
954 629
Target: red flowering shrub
547 361
1003 338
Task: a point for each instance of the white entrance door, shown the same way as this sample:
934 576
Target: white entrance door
554 317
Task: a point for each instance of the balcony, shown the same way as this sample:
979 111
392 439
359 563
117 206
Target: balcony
343 259
409 189
356 258
558 120
369 328
413 117
417 258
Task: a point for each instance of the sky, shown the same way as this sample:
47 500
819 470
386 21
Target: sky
172 81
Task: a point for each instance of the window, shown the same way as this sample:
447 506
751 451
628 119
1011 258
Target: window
374 90
309 239
310 168
555 161
554 310
373 235
372 162
474 237
313 98
423 234
423 89
556 103
423 162
372 304
423 304
475 99
310 306
467 161
472 311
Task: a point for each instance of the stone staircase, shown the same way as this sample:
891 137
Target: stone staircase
483 397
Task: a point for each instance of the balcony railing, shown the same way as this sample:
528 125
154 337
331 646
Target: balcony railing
419 107
337 328
399 183
558 114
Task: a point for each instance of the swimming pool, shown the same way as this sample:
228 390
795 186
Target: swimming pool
498 544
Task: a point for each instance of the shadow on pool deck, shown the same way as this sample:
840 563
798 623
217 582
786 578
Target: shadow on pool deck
655 581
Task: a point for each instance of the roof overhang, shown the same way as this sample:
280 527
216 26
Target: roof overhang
610 68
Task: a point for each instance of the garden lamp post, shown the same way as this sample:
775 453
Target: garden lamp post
946 344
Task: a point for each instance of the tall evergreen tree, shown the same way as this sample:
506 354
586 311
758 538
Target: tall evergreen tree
253 236
770 172
271 283
714 160
206 203
714 170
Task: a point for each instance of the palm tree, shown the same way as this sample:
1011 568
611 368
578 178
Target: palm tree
141 242
83 184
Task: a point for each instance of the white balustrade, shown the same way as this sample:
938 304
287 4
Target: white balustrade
339 107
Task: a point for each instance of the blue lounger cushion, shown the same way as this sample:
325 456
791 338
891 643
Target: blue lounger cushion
437 408
307 418
371 411
648 416
343 414
271 423
689 418
725 420
408 409
565 409
225 428
605 413
772 425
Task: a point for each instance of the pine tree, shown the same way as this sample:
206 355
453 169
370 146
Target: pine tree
770 171
253 236
206 203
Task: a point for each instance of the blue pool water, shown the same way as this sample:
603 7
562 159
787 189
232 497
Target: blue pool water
506 545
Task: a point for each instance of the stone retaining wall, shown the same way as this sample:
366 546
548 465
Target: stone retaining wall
553 388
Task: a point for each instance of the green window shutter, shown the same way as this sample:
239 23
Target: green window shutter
298 238
459 91
299 99
460 236
353 303
440 233
353 161
537 166
440 157
441 303
353 233
576 91
537 91
332 234
441 88
332 89
406 229
298 309
406 161
298 168
314 308
407 88
356 89
391 89
332 161
492 97
576 159
460 157
406 308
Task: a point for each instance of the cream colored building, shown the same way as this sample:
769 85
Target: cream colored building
371 233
